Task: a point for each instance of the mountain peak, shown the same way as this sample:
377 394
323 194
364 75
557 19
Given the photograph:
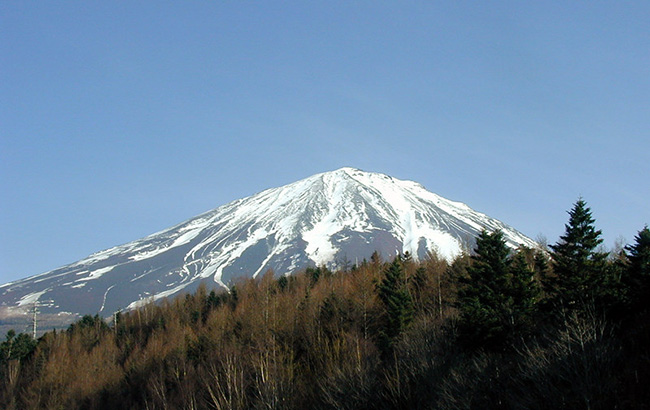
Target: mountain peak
326 219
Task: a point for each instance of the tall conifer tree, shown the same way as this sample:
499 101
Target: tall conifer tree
482 299
637 279
524 293
498 296
579 269
397 301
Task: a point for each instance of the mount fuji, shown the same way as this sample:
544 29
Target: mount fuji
327 219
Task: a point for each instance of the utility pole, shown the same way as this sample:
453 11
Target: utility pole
115 321
34 320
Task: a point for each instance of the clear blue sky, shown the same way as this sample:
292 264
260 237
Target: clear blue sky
119 119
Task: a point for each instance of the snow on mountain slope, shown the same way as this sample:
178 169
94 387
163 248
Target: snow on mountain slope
326 219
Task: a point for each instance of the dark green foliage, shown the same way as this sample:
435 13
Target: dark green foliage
418 284
90 329
375 258
541 264
283 282
214 300
482 299
639 255
457 271
398 304
419 279
317 273
498 295
234 296
579 269
333 315
89 322
523 293
16 351
637 277
16 347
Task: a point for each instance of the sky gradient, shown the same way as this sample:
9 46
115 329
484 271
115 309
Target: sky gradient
118 120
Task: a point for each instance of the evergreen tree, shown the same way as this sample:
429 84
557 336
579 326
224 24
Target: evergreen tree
637 279
579 269
418 284
375 259
398 304
482 296
332 315
313 274
498 296
234 297
316 273
523 292
283 282
16 346
541 264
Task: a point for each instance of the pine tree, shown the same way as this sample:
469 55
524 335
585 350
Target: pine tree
524 293
579 269
16 347
498 296
637 279
397 301
418 285
317 273
541 264
283 282
482 297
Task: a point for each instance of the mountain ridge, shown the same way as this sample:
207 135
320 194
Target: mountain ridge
315 221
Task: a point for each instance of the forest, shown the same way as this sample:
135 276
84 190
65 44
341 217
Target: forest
564 326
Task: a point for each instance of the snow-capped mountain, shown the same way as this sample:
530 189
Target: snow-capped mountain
337 216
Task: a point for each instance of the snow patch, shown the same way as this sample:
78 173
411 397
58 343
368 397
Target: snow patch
31 298
96 274
147 254
105 294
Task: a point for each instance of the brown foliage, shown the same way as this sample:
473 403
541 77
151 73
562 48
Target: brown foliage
305 342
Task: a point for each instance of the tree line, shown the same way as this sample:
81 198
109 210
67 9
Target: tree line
566 327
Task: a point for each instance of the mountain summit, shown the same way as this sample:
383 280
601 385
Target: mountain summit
327 219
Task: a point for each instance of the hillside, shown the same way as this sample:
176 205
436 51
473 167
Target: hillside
499 329
331 219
